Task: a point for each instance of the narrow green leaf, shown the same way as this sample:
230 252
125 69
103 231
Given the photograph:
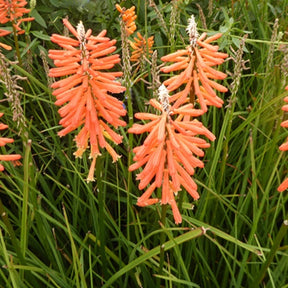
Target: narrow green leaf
154 252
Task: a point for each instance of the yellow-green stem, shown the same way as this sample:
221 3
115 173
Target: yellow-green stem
24 226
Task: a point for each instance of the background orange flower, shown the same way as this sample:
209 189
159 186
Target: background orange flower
198 74
284 147
3 141
141 47
128 17
12 11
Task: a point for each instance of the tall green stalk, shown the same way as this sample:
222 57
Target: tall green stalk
16 42
162 241
127 83
24 217
130 159
101 201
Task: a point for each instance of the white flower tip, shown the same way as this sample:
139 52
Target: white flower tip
192 30
163 96
81 31
162 90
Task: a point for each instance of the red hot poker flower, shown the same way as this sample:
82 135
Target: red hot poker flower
12 11
284 147
197 76
128 17
141 47
3 141
170 152
86 90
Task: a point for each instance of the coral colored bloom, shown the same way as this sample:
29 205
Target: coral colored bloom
12 11
3 141
284 147
85 92
197 75
169 154
141 47
128 17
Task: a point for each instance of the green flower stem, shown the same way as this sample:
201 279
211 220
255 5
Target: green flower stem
128 84
24 218
101 201
130 159
162 241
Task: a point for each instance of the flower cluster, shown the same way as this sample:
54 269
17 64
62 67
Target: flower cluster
128 17
12 11
284 147
198 74
86 90
141 47
169 153
3 141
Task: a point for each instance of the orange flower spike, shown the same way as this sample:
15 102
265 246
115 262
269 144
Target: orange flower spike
85 92
141 47
195 63
12 11
3 141
168 154
128 17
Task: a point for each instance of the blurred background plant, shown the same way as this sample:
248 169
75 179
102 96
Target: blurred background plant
54 233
